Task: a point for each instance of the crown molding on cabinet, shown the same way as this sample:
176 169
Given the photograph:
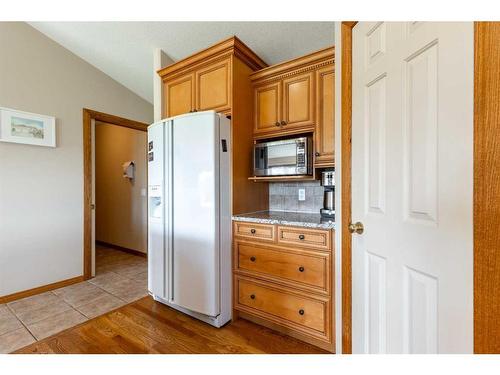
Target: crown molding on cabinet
232 45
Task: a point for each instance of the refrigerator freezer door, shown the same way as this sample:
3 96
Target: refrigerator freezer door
156 211
195 213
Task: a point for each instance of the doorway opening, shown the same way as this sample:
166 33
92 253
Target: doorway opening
115 203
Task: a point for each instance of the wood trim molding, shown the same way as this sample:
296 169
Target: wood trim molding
88 116
40 289
486 187
310 62
346 127
231 45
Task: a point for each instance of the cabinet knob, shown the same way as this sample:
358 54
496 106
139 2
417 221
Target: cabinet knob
317 153
283 123
277 123
301 237
301 312
252 296
301 269
252 259
252 231
195 110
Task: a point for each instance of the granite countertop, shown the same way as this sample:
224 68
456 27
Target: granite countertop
300 219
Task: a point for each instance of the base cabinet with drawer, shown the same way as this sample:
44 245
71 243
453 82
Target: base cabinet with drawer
283 279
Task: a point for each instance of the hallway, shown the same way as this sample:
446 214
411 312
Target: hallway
121 278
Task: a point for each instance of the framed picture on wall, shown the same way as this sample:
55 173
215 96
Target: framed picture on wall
27 128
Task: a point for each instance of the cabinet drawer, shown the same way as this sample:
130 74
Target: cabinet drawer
299 268
283 306
263 232
314 238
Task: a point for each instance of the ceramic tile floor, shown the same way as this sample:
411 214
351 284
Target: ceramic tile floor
120 278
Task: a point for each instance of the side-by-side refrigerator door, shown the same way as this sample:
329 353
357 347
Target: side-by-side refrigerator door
195 213
156 211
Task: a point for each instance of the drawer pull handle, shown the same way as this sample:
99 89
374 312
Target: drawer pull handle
301 269
252 231
301 312
301 237
252 296
252 259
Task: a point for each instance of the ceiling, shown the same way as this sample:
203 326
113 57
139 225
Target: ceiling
124 50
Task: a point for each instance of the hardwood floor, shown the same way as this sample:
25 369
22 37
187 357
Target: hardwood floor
146 326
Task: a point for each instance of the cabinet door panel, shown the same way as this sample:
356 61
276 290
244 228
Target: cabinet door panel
298 101
267 107
213 87
180 95
325 129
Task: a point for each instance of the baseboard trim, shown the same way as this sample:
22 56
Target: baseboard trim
40 289
124 249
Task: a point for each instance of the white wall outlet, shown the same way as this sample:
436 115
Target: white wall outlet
302 194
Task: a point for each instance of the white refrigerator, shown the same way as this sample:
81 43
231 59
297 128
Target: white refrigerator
189 215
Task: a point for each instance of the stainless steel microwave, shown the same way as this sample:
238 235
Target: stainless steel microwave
289 157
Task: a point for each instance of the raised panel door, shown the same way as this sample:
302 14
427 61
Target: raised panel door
412 187
298 101
180 95
267 111
325 129
213 87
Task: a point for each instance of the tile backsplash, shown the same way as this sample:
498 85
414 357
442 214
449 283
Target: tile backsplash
284 196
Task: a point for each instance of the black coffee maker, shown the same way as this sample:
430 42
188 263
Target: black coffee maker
328 182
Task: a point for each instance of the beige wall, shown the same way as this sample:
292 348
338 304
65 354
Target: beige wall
41 188
121 204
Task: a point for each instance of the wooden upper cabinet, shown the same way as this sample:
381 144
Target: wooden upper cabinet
213 87
286 98
325 128
298 101
207 79
179 95
267 107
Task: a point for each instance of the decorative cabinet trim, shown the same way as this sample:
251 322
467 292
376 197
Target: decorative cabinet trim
292 73
303 64
228 47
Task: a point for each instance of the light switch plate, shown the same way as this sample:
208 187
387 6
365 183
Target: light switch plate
302 194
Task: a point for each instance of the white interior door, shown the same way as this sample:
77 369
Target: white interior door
412 179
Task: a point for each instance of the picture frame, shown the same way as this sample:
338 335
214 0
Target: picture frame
27 128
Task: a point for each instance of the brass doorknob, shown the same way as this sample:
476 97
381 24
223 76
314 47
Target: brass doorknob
356 228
